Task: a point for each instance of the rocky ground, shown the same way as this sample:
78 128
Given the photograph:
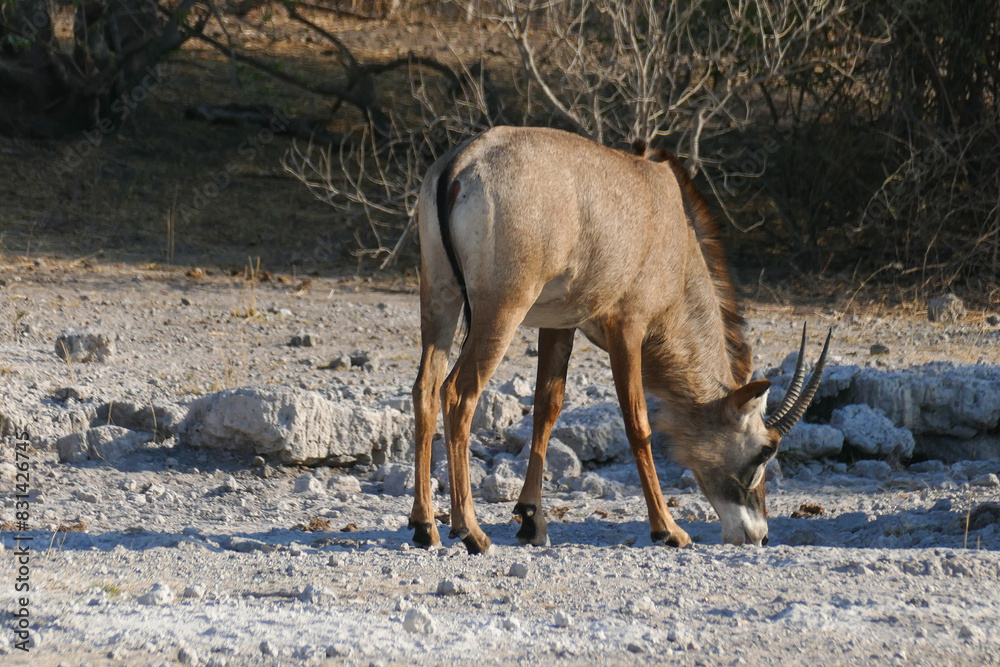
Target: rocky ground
149 549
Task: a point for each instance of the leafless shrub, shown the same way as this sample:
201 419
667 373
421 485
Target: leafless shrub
838 133
940 208
689 75
684 74
938 201
379 172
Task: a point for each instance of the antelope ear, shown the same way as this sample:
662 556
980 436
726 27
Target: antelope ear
658 155
745 399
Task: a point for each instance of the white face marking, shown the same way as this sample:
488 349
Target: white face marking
739 524
739 476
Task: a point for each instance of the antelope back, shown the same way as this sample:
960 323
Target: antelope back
584 229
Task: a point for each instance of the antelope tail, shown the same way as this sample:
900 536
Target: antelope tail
447 193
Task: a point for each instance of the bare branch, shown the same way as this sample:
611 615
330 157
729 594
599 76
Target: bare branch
519 30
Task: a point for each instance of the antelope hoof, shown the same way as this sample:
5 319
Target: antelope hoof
425 534
533 528
477 544
671 538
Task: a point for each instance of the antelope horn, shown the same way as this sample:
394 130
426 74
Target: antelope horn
784 423
795 386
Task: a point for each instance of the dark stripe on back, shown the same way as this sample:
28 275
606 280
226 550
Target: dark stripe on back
444 204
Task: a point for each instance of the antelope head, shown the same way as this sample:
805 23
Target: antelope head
731 474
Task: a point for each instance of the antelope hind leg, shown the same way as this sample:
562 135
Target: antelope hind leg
439 318
490 333
426 402
554 349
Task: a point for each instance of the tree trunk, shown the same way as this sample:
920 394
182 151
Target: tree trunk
47 90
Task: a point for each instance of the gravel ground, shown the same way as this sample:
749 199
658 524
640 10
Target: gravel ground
204 557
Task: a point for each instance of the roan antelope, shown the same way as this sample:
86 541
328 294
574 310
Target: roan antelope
547 229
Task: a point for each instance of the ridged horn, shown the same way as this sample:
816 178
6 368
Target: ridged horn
784 422
795 386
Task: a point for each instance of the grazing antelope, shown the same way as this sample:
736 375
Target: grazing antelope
547 229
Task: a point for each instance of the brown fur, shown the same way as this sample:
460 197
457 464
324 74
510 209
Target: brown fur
641 149
707 230
560 233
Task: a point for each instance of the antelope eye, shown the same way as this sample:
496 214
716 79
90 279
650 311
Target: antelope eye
766 452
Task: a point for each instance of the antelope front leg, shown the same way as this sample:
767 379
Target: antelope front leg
625 348
662 527
554 349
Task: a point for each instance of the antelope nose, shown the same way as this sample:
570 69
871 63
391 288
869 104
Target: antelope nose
763 541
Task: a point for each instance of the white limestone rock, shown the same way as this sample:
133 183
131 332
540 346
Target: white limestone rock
935 399
298 426
399 479
343 486
159 595
560 460
519 386
441 480
836 380
103 443
877 470
307 483
869 430
419 621
594 432
945 308
814 440
86 346
496 411
502 485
